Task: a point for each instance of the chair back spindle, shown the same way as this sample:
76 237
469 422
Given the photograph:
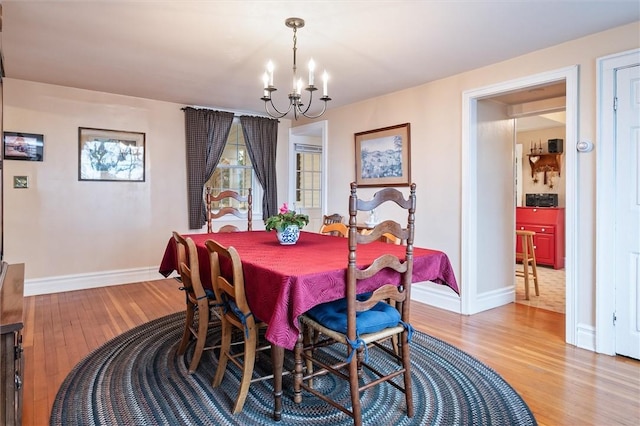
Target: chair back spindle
215 209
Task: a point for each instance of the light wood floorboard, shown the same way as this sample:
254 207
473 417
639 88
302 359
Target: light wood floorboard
563 385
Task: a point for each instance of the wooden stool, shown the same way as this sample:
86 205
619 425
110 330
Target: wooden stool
528 257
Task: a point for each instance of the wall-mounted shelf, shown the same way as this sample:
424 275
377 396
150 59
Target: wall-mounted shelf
545 163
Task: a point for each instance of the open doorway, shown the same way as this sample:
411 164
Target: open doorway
539 114
488 203
307 166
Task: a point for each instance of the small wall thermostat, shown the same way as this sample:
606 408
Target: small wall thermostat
584 146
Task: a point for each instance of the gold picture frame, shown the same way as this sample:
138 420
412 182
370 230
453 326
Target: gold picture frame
383 156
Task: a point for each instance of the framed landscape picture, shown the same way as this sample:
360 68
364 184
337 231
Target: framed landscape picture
110 155
383 156
23 146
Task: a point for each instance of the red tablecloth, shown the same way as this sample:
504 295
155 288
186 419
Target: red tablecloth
283 282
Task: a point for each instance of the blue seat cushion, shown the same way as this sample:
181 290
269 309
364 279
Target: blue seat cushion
333 315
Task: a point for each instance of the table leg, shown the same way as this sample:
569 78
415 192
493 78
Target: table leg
277 359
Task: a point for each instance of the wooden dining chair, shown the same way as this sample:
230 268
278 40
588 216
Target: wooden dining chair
387 237
236 315
202 307
363 323
336 229
328 219
228 202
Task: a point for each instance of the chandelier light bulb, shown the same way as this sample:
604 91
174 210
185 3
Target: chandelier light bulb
325 83
312 68
299 86
270 71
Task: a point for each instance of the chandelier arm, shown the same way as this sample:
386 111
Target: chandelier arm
308 104
299 110
324 108
278 113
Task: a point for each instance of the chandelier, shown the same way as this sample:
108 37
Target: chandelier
295 96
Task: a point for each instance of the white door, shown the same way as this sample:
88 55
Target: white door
627 228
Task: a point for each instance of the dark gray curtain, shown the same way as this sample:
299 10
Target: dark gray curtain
261 137
206 135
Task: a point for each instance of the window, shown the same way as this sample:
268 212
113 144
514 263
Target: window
308 176
234 171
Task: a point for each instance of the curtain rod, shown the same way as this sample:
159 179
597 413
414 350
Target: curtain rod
235 113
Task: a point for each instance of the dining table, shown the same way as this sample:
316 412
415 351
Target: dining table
284 281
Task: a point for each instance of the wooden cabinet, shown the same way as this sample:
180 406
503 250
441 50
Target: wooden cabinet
548 224
11 306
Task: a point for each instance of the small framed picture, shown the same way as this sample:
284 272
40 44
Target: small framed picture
23 146
110 155
383 156
21 182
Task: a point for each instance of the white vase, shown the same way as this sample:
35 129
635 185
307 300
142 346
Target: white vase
289 235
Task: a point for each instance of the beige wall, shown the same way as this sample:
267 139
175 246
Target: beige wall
71 233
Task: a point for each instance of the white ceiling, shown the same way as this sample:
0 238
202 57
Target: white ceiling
213 53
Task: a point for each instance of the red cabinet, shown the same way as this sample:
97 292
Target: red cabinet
548 224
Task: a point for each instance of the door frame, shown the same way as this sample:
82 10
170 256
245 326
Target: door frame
471 301
317 129
605 201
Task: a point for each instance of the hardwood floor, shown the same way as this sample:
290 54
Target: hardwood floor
562 385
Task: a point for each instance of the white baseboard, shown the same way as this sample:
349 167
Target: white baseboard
586 337
91 280
438 296
443 297
494 299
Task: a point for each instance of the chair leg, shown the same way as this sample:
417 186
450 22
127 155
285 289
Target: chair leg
297 375
186 335
310 339
250 344
354 384
225 345
406 364
203 326
534 268
525 265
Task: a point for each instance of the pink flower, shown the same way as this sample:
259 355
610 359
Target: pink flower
284 209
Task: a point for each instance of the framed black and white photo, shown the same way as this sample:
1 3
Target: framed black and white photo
383 156
110 155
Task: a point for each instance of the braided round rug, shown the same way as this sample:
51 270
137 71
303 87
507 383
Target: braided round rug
137 379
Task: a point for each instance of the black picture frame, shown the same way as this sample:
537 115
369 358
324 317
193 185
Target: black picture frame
23 146
110 155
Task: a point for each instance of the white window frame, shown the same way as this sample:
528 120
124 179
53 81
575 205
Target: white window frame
256 189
